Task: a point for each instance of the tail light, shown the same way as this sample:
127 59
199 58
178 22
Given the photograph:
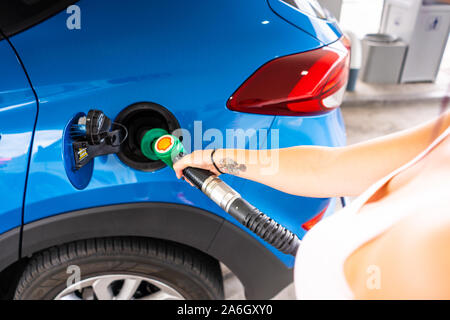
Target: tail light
306 83
311 223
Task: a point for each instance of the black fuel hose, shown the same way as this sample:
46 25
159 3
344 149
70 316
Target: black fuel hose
248 215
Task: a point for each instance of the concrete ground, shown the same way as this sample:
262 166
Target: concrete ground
364 121
369 121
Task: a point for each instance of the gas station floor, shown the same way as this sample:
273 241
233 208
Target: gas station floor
364 120
367 121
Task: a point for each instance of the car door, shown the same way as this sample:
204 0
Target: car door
18 111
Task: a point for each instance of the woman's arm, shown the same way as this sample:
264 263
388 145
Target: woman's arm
315 171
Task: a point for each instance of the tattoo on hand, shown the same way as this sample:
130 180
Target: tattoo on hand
231 166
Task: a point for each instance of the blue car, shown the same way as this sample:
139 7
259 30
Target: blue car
253 74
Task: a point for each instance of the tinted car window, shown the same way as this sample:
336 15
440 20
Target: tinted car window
18 15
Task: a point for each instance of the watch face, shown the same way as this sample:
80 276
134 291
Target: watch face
164 144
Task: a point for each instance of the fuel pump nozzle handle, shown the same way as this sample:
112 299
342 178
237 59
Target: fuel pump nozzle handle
169 149
240 209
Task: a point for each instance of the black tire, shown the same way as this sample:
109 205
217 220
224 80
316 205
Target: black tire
192 273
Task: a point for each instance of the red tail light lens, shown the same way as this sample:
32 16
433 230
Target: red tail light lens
306 83
311 223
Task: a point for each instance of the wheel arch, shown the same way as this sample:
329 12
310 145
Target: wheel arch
262 274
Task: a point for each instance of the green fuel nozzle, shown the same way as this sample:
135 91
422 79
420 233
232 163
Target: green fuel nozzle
158 144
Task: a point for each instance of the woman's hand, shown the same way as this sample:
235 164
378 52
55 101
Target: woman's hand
197 159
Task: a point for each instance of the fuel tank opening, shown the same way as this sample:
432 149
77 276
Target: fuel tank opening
139 118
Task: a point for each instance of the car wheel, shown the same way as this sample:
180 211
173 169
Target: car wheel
121 269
